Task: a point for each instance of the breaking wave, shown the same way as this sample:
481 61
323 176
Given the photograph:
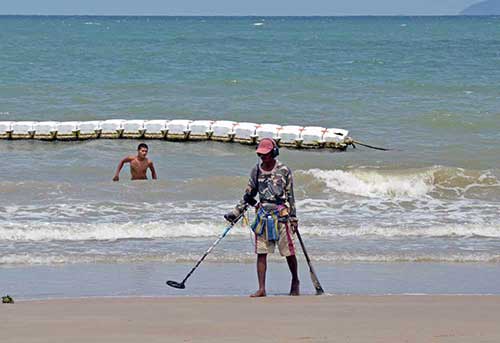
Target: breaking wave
20 232
36 231
436 182
54 259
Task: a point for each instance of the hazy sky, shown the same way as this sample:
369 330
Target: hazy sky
235 7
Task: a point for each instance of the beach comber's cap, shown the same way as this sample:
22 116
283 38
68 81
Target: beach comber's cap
265 146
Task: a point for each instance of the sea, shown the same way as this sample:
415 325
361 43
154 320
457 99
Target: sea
423 217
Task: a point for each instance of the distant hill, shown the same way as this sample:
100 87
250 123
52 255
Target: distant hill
488 7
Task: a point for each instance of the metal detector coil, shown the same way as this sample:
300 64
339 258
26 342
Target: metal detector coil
176 284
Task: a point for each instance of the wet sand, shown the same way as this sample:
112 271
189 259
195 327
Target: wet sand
413 318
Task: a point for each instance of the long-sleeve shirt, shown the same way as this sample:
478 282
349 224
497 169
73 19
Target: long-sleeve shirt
274 188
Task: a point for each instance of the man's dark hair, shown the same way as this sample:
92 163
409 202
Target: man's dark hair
142 145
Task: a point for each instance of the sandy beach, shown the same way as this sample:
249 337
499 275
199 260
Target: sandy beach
241 319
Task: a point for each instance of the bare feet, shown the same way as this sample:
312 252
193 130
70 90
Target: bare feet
294 288
258 294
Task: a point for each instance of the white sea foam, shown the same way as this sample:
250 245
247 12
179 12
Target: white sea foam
486 231
54 259
394 258
409 184
375 184
20 232
51 259
43 231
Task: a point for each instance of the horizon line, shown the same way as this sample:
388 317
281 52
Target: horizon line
244 15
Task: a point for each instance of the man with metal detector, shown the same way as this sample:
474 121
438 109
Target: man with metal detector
276 221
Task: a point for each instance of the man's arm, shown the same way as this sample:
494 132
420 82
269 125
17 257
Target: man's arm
153 171
248 198
120 166
251 191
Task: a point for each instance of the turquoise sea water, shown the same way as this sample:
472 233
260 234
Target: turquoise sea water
425 86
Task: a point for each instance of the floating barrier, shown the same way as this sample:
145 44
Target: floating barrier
245 133
178 130
112 128
223 131
200 130
67 131
307 137
45 130
22 130
312 136
88 130
133 129
268 131
155 129
5 129
290 136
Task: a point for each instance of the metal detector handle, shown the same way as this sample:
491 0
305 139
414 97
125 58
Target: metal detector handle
215 243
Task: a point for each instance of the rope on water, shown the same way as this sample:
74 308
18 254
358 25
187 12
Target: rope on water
350 141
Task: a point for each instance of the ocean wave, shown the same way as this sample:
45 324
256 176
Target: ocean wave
44 231
52 259
419 258
374 183
440 231
90 211
436 181
55 259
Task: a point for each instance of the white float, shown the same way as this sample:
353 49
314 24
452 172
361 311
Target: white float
112 128
312 136
335 138
67 130
133 129
223 130
155 129
289 136
292 136
5 129
45 130
245 133
89 129
268 131
22 130
200 129
178 129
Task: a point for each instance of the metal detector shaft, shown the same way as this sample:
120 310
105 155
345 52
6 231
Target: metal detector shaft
314 277
214 244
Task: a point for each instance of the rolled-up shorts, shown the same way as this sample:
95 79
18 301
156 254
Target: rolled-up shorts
286 245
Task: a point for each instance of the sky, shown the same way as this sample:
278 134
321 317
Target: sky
235 7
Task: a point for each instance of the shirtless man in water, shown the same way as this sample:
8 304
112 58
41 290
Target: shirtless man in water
138 165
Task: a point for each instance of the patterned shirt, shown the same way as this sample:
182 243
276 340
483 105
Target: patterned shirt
274 187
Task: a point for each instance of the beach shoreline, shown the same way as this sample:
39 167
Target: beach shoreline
236 279
345 318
